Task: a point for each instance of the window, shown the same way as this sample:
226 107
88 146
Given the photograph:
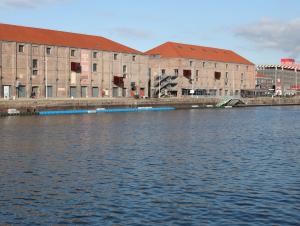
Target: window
115 56
217 75
191 63
95 55
34 63
176 72
203 64
133 58
35 50
21 48
197 75
215 65
34 72
187 74
48 50
163 72
226 66
242 77
124 71
94 67
226 78
73 52
237 67
76 67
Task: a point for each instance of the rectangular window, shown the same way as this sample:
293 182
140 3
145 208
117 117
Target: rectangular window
76 67
48 50
133 58
215 65
217 75
242 77
203 64
34 72
95 55
197 75
226 66
187 73
115 56
124 70
163 71
21 48
191 63
35 50
226 78
94 67
34 63
73 52
176 72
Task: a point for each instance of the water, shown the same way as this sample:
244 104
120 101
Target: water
187 167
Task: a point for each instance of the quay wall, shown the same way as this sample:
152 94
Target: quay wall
35 105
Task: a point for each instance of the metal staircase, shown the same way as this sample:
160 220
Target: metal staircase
164 85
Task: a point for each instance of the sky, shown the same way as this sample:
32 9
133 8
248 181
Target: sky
261 31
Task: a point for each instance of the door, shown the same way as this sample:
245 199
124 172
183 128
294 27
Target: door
21 91
73 91
50 91
84 92
115 91
6 92
35 92
95 92
124 92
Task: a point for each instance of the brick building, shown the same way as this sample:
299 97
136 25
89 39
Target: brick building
183 70
44 63
47 63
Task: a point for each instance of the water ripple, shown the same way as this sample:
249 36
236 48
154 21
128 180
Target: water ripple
188 167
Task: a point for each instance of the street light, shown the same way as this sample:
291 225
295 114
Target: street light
46 77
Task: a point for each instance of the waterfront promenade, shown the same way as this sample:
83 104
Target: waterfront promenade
32 105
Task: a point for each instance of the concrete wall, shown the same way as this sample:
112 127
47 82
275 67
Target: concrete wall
17 71
239 76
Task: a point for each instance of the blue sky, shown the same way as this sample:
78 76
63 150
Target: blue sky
262 31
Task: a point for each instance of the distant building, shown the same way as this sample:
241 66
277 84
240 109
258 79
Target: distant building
183 70
280 79
39 63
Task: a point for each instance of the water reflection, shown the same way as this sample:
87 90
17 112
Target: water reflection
184 167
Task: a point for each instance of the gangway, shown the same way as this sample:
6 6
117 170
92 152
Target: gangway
229 101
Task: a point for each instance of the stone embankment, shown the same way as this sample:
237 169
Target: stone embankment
36 105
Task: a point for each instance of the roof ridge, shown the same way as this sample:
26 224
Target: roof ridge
58 37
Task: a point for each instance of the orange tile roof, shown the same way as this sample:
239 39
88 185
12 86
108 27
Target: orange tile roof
58 38
178 50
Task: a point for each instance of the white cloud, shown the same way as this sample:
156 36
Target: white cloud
28 4
272 34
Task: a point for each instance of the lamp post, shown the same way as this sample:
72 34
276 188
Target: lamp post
46 77
159 79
